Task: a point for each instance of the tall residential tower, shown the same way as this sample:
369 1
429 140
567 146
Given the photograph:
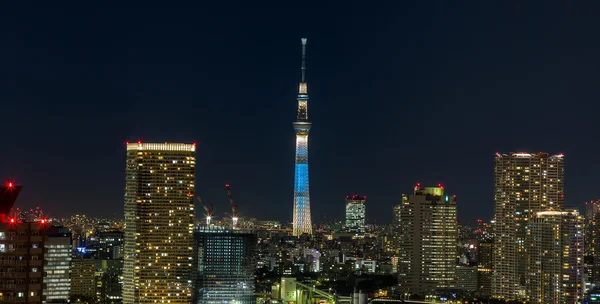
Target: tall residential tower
427 243
302 220
555 258
159 215
525 184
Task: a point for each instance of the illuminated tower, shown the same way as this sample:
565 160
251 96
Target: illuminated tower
524 184
555 257
427 242
159 215
302 221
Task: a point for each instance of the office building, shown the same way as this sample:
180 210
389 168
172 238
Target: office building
485 261
524 184
21 260
555 258
57 266
21 252
355 214
159 214
427 244
83 279
110 244
109 281
224 265
466 278
302 222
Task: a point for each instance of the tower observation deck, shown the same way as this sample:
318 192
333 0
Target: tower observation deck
302 220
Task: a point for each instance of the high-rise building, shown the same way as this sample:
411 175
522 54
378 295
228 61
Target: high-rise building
83 279
159 214
396 228
302 222
109 281
466 278
592 242
110 244
224 265
525 184
485 262
21 253
427 243
355 213
555 258
57 266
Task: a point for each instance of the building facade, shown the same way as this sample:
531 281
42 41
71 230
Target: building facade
159 214
592 243
224 265
427 243
21 260
57 266
485 266
356 213
83 279
555 258
524 184
109 281
110 244
302 222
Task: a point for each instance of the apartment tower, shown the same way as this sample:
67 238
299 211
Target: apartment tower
524 184
427 243
555 258
159 214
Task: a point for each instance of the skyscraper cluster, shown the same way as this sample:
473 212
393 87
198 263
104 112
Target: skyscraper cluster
538 248
532 251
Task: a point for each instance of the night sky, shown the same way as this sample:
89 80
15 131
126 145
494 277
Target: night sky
414 91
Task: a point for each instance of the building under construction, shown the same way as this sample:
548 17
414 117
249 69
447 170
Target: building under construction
224 265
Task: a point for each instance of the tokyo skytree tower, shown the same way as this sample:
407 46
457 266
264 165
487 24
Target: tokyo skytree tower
302 221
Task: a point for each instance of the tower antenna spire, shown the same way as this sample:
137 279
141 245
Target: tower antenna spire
303 58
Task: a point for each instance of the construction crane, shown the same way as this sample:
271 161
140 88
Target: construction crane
207 209
234 207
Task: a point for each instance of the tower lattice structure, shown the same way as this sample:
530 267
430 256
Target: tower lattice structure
302 219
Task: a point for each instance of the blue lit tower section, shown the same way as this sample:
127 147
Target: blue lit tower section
302 221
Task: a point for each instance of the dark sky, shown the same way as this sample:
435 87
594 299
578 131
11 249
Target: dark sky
406 92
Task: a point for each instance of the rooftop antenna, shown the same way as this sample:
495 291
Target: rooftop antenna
303 58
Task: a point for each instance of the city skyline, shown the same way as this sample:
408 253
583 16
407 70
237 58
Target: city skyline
380 77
